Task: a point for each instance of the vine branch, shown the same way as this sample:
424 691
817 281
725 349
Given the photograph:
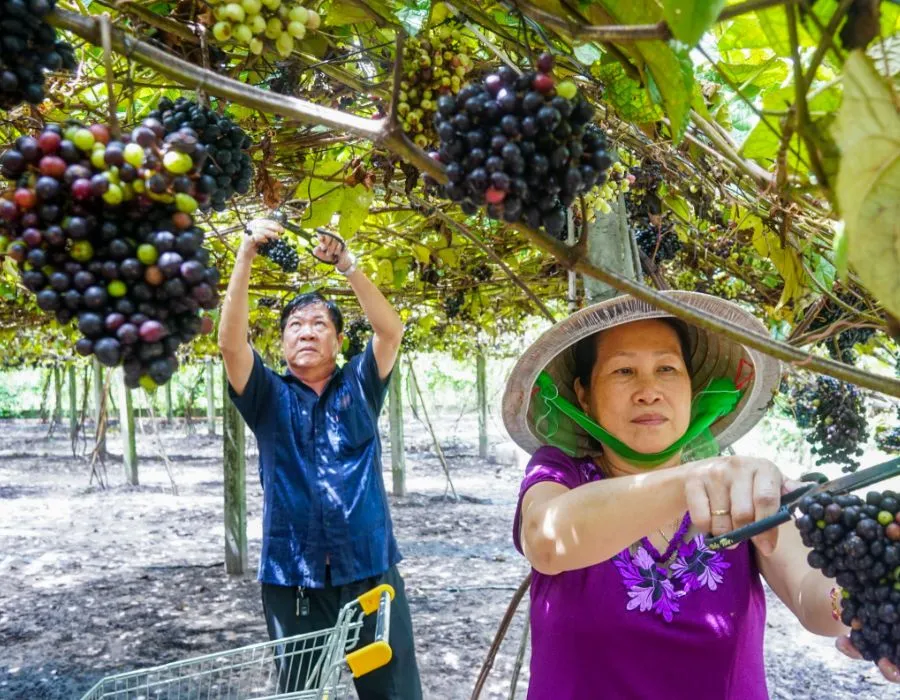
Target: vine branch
759 342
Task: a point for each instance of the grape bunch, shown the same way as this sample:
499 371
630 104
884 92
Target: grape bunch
280 253
227 167
839 425
523 145
598 200
840 346
643 198
888 439
432 66
802 400
481 272
28 47
453 305
356 338
657 243
258 24
96 245
857 543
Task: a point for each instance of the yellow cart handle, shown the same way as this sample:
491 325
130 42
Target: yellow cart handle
378 653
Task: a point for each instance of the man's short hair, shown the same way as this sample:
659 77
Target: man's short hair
308 299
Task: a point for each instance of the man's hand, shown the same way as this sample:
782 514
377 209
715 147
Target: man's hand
330 248
259 231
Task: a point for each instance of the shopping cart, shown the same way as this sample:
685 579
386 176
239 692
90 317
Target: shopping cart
304 667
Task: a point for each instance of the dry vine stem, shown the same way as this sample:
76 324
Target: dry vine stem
391 137
762 343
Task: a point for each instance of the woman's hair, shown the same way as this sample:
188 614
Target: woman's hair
586 350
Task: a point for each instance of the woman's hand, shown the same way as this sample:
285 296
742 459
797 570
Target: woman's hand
725 493
888 670
259 231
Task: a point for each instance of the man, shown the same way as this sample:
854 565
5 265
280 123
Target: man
327 531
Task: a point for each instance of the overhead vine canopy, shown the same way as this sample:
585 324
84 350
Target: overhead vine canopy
757 152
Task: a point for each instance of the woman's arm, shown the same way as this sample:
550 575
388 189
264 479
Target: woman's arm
804 590
565 529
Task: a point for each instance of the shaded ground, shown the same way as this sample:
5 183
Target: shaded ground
102 581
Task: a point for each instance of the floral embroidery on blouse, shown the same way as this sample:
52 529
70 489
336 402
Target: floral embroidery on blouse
651 587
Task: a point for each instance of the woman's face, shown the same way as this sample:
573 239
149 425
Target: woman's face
640 388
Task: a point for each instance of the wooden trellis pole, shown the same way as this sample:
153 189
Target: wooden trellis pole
395 413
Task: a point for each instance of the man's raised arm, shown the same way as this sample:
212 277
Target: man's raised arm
234 345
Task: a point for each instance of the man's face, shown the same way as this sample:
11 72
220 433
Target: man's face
310 340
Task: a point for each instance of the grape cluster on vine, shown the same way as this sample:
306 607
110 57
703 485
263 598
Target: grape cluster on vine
839 427
857 543
522 145
355 337
261 24
658 243
433 65
227 167
802 398
840 346
600 198
28 48
481 272
96 243
453 304
280 253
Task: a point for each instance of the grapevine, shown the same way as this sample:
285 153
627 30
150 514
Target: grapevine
521 145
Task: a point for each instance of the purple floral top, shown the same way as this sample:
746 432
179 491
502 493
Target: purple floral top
689 629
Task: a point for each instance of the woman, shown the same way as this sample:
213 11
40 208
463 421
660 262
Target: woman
626 600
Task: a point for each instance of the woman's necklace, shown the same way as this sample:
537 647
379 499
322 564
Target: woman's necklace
674 543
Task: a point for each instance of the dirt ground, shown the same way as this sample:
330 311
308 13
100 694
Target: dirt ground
96 581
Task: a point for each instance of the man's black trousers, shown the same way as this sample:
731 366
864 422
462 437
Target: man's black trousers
290 611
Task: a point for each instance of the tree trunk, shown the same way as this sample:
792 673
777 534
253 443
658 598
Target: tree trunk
210 397
482 404
235 462
73 403
395 408
126 428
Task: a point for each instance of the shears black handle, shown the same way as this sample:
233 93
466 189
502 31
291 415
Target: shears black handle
780 517
282 218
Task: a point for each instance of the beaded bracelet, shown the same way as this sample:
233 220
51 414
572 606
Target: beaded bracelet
836 596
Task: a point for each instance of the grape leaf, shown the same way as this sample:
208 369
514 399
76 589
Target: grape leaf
868 182
354 210
320 211
785 260
413 15
673 72
689 19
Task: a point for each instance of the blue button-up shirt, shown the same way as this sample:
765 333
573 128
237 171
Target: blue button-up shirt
320 469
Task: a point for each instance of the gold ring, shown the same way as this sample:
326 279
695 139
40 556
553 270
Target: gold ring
721 512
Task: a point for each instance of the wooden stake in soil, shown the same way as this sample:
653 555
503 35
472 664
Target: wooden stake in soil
73 403
210 398
99 407
126 428
235 462
395 413
481 371
437 444
170 414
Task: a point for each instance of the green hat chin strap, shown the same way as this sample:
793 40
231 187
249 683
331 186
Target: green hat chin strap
719 399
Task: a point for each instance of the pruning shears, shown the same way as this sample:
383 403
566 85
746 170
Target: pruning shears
283 218
789 501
